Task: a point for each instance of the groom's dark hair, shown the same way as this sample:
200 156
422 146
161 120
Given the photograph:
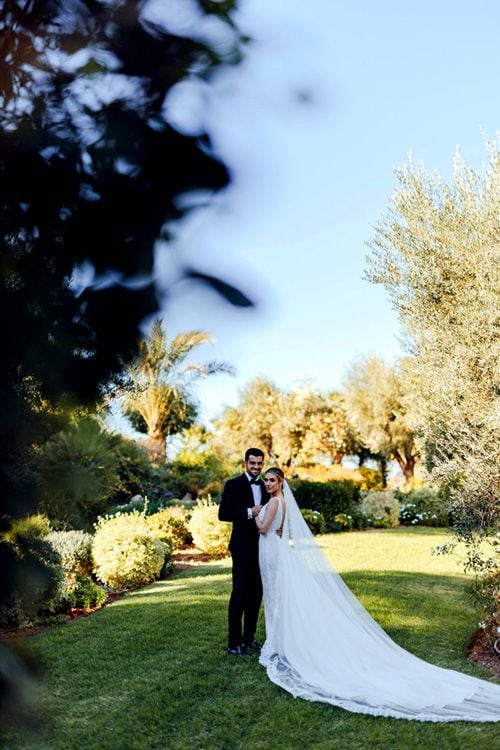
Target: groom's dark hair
253 452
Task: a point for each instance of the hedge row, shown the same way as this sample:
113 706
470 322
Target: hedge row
331 499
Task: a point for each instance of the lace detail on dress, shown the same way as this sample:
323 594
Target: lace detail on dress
478 707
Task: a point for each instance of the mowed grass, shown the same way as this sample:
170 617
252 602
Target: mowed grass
150 671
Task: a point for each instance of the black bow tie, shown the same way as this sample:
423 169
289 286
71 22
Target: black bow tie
254 481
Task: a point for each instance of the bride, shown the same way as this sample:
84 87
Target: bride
322 645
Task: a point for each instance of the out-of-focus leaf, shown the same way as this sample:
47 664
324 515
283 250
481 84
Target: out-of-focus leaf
228 291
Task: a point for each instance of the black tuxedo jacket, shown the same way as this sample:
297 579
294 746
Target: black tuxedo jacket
237 497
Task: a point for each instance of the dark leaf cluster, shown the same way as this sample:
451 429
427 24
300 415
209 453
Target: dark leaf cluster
91 176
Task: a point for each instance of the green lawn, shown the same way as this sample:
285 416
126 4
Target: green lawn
150 671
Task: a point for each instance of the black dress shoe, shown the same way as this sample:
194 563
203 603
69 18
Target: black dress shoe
254 645
237 650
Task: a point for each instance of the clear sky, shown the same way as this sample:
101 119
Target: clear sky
311 179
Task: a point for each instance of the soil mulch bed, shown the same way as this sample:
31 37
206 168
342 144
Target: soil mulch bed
15 634
187 557
483 656
486 659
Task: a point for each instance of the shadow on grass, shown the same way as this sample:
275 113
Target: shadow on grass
201 571
421 612
391 585
396 592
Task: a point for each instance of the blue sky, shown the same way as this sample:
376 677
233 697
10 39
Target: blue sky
311 180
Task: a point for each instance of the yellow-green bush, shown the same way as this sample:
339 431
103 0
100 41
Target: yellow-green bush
171 526
209 534
381 509
126 551
75 549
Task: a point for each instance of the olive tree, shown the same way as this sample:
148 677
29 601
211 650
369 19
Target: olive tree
374 398
437 252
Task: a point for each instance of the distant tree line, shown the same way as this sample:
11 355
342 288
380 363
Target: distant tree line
302 425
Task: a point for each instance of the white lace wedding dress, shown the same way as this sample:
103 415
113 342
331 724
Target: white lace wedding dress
322 645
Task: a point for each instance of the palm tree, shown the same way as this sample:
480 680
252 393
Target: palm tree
156 394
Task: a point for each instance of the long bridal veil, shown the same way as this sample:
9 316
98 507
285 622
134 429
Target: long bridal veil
326 647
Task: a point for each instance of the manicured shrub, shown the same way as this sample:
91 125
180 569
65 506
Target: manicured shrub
39 585
209 534
381 509
171 525
315 520
329 498
127 552
86 595
181 515
422 507
75 550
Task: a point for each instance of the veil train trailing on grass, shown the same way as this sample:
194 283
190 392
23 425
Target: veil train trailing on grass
322 645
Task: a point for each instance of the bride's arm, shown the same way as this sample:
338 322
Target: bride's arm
271 509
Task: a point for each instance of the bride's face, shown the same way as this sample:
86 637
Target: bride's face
272 483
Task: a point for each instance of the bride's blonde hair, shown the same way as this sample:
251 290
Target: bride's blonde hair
275 470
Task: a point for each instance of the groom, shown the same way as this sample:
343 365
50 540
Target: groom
242 499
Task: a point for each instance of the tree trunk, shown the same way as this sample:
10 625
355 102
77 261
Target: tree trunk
409 469
363 455
156 446
406 464
382 467
337 458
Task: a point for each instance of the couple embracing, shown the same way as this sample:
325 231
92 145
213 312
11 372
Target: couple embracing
244 502
321 644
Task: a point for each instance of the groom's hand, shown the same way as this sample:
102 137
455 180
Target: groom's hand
256 510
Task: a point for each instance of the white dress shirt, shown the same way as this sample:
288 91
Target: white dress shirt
257 495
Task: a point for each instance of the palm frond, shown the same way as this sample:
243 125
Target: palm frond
157 386
184 343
